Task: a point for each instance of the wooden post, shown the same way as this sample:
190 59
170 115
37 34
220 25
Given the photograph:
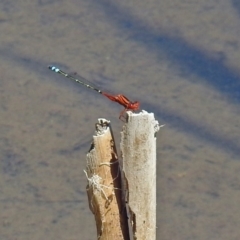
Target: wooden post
104 185
138 146
123 196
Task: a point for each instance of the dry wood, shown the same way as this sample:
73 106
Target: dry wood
138 146
104 186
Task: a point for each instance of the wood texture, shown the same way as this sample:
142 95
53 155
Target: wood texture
138 146
104 186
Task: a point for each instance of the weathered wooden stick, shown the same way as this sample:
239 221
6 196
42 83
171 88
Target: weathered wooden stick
138 146
104 186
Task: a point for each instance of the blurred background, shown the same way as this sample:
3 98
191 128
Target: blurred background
180 59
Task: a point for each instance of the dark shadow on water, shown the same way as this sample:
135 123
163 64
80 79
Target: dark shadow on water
189 59
236 5
200 131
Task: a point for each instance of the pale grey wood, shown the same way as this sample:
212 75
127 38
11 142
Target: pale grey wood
138 146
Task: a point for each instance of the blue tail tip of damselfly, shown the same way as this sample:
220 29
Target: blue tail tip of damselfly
53 68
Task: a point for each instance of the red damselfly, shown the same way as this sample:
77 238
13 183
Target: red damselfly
119 98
